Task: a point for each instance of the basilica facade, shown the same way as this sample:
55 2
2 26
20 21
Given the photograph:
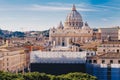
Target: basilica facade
74 30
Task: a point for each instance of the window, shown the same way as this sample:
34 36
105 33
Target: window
73 24
7 64
118 61
91 54
103 50
117 50
87 53
103 61
111 61
7 69
63 44
94 61
90 61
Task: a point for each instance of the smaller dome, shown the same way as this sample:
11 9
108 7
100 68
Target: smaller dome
60 26
86 26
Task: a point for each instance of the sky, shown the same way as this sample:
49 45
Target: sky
38 15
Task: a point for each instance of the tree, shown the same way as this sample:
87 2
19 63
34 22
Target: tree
43 76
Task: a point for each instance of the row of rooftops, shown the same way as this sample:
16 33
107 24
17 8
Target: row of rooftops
9 51
109 55
111 42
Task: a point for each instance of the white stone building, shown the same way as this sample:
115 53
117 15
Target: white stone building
74 30
58 57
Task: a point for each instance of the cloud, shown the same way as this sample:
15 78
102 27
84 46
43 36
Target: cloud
107 7
104 19
59 7
46 7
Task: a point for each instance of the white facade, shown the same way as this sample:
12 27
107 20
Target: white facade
58 57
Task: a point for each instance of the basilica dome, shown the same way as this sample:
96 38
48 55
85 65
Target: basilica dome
74 19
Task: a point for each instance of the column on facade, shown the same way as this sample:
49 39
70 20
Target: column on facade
68 41
76 39
56 41
53 43
60 41
65 40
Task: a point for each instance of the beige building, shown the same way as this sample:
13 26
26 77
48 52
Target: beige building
14 59
107 53
119 35
109 46
106 58
74 30
113 33
1 62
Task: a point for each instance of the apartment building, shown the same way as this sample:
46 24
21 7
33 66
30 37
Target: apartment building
14 59
113 33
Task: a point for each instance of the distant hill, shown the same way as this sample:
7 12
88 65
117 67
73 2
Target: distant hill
9 34
46 33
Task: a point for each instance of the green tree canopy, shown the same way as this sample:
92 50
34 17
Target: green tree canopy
43 76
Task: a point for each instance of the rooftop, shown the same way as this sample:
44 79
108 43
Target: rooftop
7 49
111 42
109 55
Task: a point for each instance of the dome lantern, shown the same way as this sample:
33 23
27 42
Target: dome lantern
73 8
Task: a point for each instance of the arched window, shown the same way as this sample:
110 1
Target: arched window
63 42
111 61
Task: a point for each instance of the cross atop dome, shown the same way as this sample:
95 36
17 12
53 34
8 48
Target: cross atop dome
73 8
